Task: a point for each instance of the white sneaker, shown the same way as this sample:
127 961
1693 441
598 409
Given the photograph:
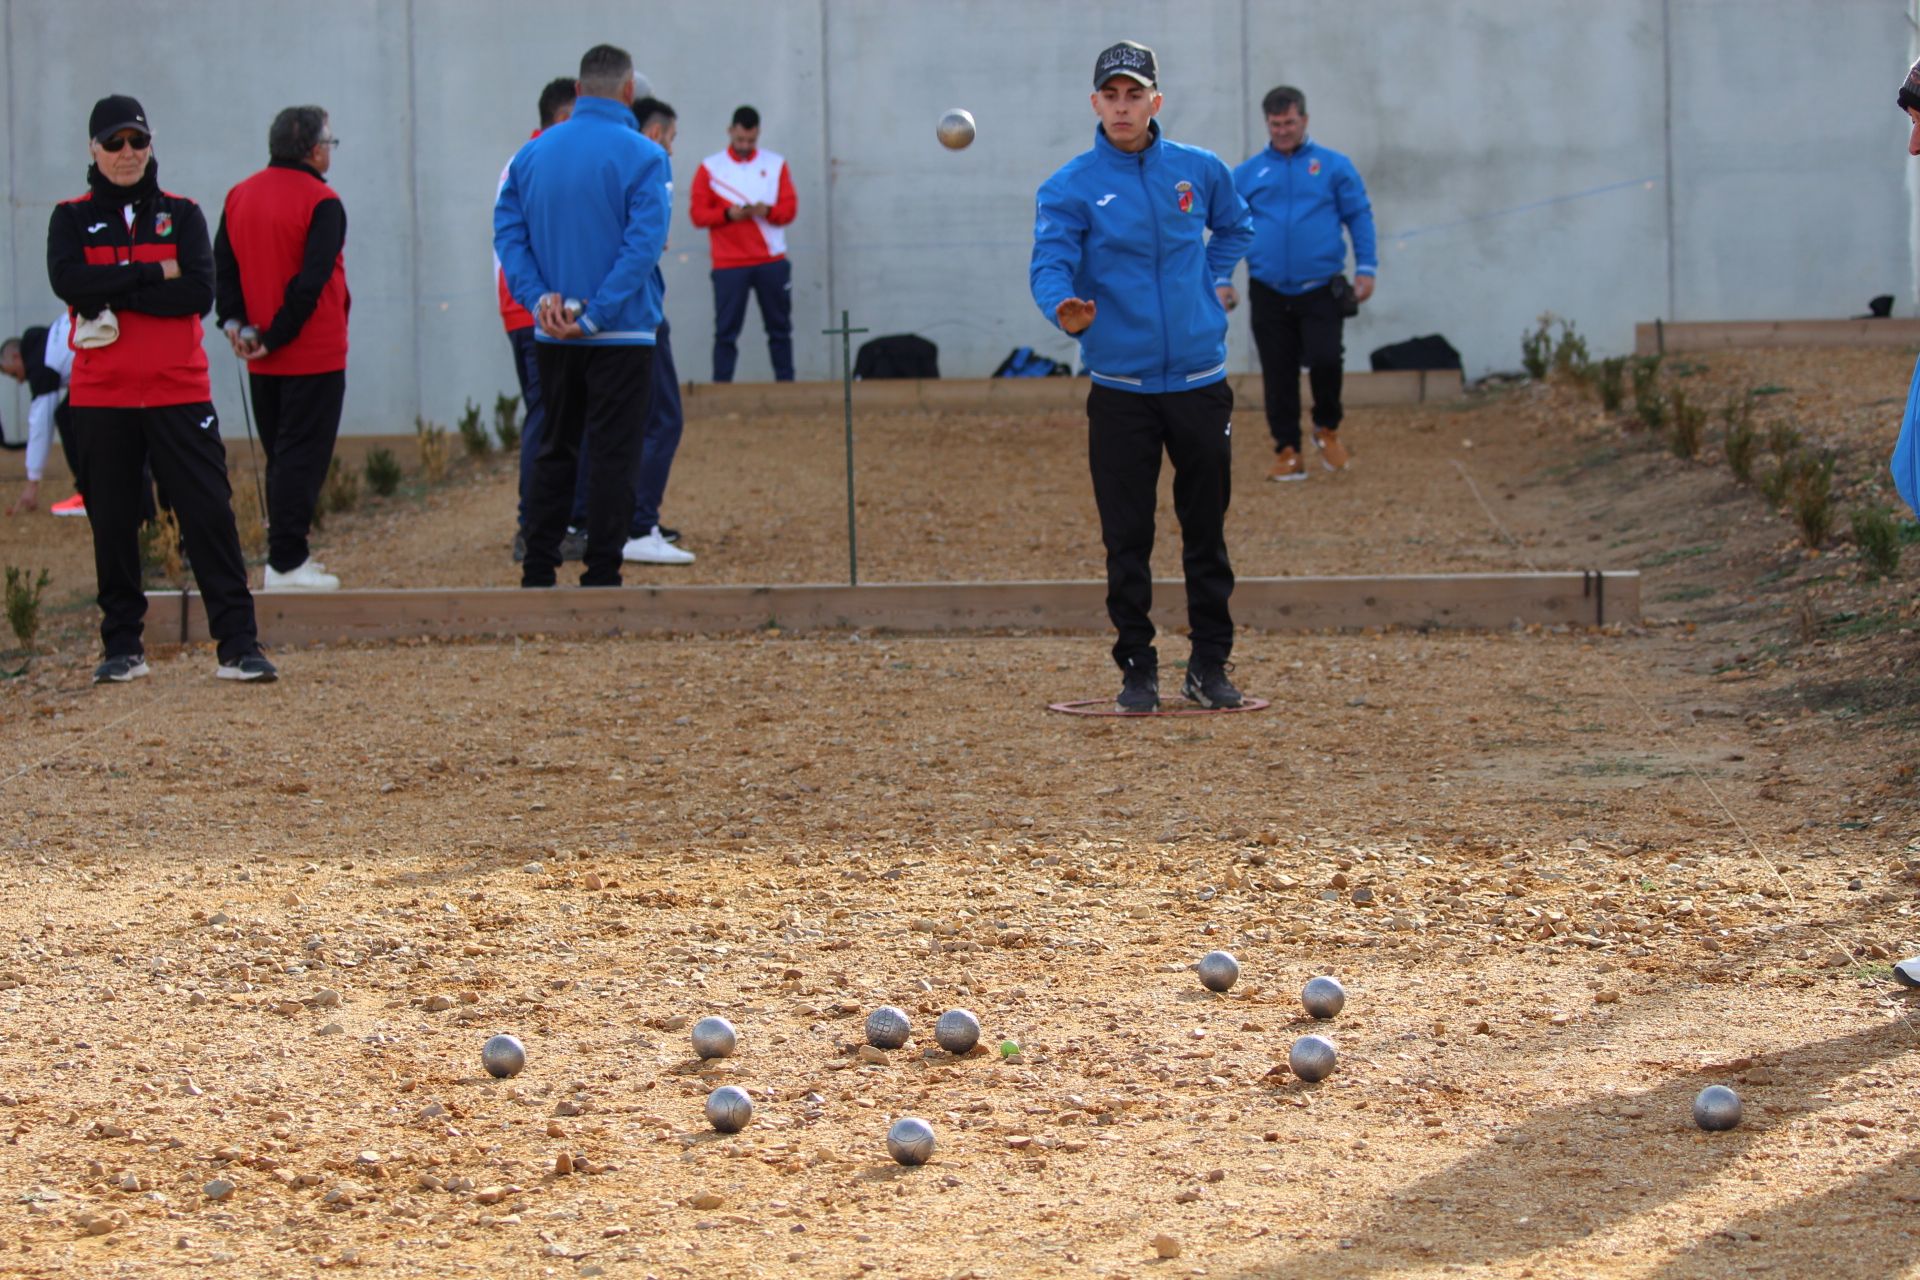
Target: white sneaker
304 577
654 549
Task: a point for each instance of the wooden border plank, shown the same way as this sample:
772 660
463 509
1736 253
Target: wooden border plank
1720 335
998 395
1474 600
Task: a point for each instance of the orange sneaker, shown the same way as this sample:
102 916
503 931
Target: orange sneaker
1333 454
74 506
1287 466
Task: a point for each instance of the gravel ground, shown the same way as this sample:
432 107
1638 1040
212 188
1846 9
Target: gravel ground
258 935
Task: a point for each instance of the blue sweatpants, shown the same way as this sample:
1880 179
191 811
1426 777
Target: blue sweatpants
772 284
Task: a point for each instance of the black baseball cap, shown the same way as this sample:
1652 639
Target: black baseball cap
1128 58
115 112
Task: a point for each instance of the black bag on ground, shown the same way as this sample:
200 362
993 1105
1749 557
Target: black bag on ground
898 355
1430 352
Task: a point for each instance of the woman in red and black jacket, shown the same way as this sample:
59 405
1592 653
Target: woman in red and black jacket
136 266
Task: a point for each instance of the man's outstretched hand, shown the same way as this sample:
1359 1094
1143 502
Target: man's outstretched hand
1074 315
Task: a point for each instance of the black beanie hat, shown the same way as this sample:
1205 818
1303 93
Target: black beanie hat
1910 91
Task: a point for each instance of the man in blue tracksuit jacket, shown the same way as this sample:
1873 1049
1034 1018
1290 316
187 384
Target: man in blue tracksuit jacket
1122 258
582 218
1303 196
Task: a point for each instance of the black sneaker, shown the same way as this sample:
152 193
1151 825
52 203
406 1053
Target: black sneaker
519 546
1207 685
574 545
121 670
254 668
666 534
1139 689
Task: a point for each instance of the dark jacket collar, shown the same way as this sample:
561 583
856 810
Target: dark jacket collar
301 165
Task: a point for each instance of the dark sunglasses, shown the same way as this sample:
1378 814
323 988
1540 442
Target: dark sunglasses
139 142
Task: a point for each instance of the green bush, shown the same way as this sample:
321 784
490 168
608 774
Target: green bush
436 454
1536 349
1689 424
1610 382
1782 439
1649 405
506 422
1811 491
472 434
1738 441
1877 535
23 604
341 492
383 471
1570 358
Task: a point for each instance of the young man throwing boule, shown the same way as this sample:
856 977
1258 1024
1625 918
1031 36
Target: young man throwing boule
1134 245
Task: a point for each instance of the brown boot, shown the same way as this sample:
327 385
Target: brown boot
1333 454
1287 465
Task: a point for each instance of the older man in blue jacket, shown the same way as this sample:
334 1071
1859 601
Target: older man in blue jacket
1304 197
578 227
1123 258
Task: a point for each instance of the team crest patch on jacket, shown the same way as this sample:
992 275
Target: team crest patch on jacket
1313 168
1186 196
163 224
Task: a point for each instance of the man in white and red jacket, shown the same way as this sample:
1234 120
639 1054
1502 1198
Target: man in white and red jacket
744 197
283 302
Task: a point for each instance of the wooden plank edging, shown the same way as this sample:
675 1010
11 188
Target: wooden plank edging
1017 395
1720 335
1469 601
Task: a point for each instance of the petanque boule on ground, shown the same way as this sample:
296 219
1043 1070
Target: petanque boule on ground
888 1027
503 1056
1716 1108
957 1031
1323 997
729 1109
714 1038
910 1140
1218 971
1312 1058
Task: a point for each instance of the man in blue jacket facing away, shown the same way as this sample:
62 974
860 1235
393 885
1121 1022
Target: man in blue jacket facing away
1122 258
1303 196
578 227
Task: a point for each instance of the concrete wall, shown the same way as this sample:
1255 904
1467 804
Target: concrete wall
1692 159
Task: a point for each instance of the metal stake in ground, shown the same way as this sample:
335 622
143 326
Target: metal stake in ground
846 332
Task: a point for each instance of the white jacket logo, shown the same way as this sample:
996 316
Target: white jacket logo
1101 203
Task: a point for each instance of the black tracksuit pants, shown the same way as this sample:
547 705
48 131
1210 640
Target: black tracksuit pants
1291 330
298 416
76 454
597 395
1126 434
182 443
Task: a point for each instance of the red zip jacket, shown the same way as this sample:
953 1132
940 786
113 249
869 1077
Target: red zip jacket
94 260
722 181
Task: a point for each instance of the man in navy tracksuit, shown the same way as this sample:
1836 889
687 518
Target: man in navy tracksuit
582 217
1123 259
1303 196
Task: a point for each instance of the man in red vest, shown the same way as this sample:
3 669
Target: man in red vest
281 276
